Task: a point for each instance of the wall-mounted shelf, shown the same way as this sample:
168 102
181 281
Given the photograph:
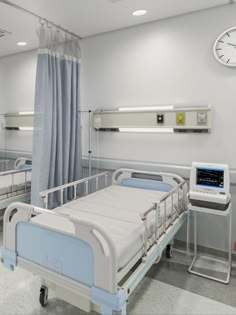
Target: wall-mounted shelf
155 119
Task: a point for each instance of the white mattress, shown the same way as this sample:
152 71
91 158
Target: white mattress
117 210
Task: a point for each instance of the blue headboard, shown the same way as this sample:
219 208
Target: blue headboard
146 184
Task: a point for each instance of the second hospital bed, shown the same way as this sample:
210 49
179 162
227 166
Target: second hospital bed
93 251
15 181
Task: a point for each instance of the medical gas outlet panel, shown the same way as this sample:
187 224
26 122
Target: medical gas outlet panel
180 119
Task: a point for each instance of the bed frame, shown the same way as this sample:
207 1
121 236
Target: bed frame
112 287
21 165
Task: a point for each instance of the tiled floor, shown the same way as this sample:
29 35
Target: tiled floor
174 272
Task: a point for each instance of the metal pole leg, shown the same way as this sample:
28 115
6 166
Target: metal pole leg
195 233
90 143
229 260
230 242
188 234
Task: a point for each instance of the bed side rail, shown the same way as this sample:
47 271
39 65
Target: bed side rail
105 256
13 173
85 181
181 191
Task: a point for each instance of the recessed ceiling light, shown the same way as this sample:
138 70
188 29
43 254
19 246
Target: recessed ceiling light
22 44
139 12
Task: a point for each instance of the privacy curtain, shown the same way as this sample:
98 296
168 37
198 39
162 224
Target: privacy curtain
57 129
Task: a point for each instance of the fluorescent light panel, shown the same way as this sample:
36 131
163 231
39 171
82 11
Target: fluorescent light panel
26 128
25 113
150 130
130 109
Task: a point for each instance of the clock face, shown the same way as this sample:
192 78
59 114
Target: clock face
225 48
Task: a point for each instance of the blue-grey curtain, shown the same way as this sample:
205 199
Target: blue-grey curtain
57 127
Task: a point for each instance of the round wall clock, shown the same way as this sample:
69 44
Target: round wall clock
225 48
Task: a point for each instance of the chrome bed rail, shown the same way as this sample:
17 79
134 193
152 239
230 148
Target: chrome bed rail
10 196
44 194
12 173
181 206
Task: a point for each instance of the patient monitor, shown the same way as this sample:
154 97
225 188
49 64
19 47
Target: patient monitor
209 186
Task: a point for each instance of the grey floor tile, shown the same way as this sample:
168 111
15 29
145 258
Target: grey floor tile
176 274
153 297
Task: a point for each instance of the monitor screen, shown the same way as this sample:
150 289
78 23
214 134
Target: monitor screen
210 177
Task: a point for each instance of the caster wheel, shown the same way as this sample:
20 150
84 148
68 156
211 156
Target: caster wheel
168 251
43 296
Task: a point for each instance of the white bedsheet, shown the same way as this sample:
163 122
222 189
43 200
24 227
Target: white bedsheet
117 210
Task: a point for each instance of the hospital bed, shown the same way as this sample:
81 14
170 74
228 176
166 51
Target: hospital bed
15 182
94 250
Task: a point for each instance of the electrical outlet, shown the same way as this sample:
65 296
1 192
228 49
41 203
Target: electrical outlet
202 118
160 119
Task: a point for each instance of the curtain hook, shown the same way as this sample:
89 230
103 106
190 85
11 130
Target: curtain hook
67 38
42 21
49 25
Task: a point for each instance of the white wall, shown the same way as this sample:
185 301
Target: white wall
166 62
17 86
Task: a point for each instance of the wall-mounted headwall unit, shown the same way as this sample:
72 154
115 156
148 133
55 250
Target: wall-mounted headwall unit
19 121
155 119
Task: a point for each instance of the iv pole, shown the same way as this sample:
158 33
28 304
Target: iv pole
90 143
90 124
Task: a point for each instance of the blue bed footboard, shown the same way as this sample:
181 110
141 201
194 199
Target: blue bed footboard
61 253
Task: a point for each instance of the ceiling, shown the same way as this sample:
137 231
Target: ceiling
87 17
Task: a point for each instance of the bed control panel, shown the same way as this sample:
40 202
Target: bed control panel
209 186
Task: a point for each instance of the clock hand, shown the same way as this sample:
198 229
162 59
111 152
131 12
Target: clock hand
232 44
